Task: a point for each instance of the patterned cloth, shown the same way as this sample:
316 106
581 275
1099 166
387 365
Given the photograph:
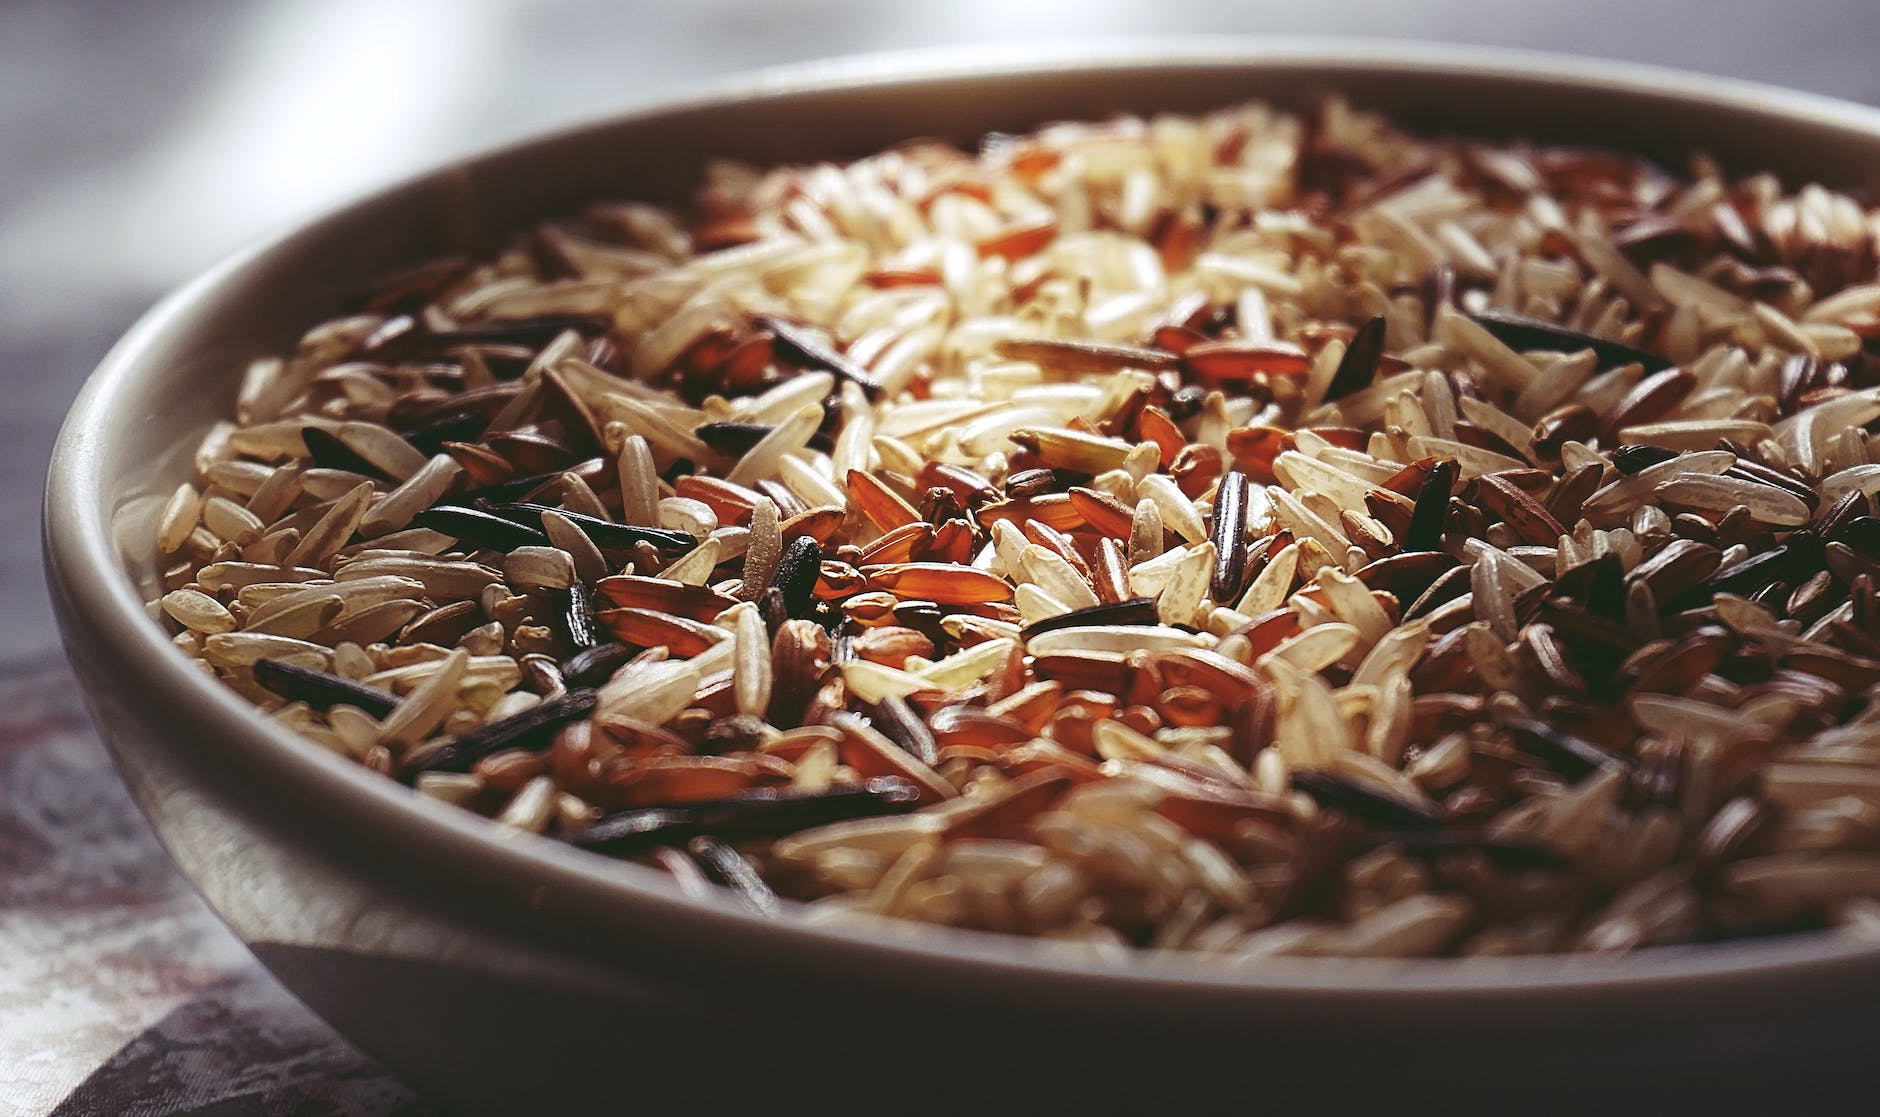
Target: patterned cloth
121 995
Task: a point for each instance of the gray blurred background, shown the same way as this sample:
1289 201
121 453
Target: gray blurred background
141 140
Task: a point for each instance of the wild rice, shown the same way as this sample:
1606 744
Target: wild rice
1246 534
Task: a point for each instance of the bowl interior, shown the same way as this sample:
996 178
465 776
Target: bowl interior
126 443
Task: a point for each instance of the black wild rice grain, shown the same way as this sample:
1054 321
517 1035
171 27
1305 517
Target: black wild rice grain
729 868
1572 755
1368 805
1135 611
1861 533
1186 403
1851 505
1793 558
484 531
462 425
758 813
801 348
521 488
1432 508
785 498
1635 457
772 606
603 533
595 665
732 439
576 610
1598 585
796 575
328 452
899 723
1519 333
842 649
531 729
1230 536
321 690
1358 367
1448 586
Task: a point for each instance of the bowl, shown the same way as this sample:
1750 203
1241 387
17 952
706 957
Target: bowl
507 973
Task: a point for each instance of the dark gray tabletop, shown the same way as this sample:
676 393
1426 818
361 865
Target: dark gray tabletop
140 141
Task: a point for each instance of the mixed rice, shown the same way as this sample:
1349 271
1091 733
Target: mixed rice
1247 534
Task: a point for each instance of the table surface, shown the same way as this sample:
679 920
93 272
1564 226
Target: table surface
143 141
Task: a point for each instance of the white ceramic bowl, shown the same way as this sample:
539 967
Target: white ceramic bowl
510 974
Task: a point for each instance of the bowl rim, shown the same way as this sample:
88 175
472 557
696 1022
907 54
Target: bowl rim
109 610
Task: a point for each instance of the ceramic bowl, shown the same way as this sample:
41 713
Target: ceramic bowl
509 974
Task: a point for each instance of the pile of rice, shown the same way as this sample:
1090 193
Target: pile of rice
1248 534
